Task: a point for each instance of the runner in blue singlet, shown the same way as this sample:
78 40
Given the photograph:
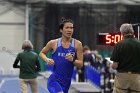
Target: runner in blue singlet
67 53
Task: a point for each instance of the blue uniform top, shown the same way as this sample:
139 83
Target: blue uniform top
63 67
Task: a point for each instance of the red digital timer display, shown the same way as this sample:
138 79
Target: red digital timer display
113 38
108 38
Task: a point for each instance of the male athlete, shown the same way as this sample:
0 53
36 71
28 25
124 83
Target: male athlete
67 53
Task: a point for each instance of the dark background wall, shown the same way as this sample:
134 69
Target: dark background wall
89 19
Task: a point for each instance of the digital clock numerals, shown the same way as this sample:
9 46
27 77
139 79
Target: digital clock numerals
110 39
113 38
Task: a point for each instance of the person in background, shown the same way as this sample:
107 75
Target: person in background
29 66
98 63
126 59
88 59
67 53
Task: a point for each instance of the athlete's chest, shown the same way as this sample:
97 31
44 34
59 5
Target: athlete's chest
63 52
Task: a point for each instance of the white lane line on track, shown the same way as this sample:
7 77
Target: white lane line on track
6 79
2 82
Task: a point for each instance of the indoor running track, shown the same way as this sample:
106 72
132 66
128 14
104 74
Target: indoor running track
11 85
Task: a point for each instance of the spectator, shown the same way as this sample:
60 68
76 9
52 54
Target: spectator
88 59
98 63
29 66
126 60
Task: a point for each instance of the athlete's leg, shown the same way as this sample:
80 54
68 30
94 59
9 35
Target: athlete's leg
53 86
65 86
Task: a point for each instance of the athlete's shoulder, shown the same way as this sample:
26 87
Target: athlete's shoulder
53 44
78 44
53 41
77 41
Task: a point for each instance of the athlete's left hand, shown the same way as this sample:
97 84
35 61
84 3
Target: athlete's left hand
69 57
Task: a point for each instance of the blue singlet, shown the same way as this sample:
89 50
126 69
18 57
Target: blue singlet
60 79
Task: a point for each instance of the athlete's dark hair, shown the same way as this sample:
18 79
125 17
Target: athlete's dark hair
63 21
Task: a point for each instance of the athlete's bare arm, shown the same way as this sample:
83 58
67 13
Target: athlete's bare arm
51 45
79 51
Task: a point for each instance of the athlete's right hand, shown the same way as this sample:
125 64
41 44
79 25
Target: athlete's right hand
49 61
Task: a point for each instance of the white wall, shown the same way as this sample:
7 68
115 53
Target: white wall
12 30
6 64
12 35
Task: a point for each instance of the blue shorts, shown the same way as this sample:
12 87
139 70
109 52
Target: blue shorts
57 84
